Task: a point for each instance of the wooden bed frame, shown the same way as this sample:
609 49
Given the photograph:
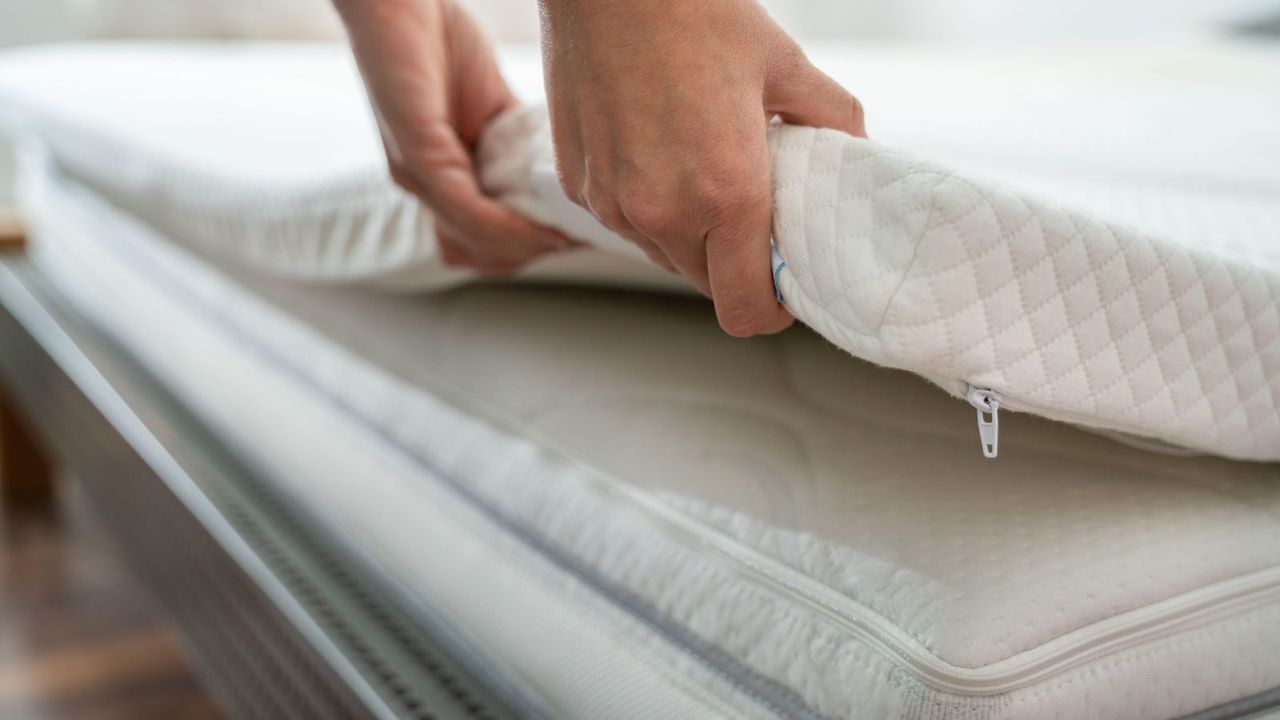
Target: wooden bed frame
282 618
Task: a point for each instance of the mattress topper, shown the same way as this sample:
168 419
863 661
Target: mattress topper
762 498
1166 325
815 518
997 295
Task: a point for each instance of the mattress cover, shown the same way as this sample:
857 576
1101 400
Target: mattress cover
1145 325
998 296
756 509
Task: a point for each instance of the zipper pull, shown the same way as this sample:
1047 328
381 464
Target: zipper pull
987 403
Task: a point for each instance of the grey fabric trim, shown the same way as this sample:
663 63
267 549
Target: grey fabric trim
1240 709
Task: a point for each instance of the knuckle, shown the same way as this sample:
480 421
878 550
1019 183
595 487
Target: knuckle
570 182
857 112
600 201
651 213
725 195
788 60
402 177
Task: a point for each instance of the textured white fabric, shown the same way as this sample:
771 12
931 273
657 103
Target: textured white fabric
810 516
222 145
914 266
1169 334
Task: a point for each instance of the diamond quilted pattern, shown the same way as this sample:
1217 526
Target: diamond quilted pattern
893 259
1065 315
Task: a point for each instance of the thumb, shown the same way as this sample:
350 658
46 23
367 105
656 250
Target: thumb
804 95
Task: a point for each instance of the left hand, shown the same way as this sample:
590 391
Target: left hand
435 84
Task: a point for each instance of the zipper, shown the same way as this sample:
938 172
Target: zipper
987 403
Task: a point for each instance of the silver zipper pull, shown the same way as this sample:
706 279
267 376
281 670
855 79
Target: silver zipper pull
987 402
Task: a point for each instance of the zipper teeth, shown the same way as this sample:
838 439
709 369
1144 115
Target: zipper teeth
1182 612
1186 614
1084 422
1229 597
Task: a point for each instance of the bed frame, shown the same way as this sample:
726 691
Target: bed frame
282 618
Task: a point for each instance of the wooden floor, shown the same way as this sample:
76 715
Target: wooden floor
77 640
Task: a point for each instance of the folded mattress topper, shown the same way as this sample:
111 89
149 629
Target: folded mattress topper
772 498
999 296
996 295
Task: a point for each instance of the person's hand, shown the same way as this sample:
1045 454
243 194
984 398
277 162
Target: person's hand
434 84
659 111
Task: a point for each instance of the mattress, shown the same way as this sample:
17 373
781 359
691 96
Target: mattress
1000 291
630 515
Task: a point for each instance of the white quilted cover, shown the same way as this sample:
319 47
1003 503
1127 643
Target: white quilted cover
1171 333
970 283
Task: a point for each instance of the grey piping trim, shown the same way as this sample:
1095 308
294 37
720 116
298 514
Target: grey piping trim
1240 709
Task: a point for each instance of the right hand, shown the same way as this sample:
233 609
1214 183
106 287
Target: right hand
434 84
659 112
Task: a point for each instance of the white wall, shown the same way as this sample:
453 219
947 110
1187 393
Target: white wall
968 21
28 21
958 21
951 21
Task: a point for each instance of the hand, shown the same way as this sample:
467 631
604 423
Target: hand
659 111
434 85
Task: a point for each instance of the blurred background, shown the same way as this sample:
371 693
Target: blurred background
59 586
959 21
924 21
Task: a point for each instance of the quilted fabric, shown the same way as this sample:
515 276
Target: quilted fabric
895 260
966 282
969 283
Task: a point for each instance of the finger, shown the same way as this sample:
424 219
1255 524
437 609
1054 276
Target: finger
804 95
454 256
491 231
602 203
741 279
651 249
566 139
688 255
497 272
477 75
453 252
